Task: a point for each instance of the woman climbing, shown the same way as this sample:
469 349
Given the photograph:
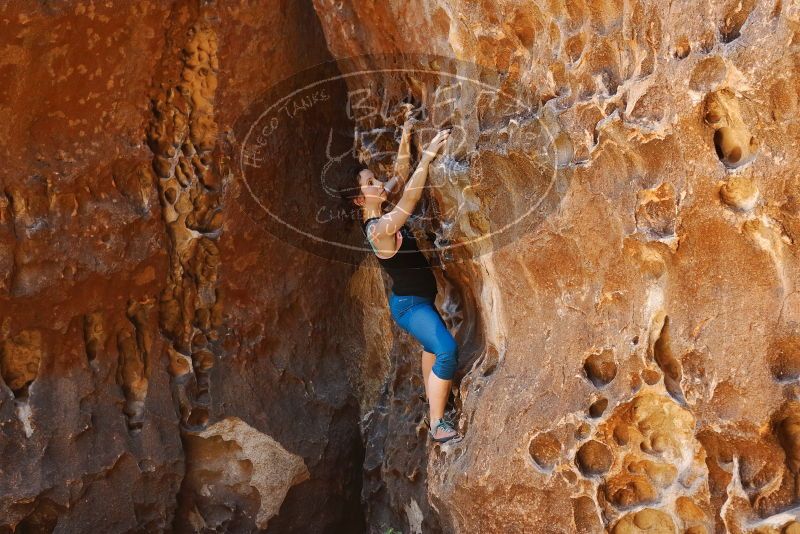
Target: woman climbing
411 299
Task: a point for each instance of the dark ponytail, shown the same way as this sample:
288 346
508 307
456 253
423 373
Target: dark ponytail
349 190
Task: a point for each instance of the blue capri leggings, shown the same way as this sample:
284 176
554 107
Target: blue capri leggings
419 317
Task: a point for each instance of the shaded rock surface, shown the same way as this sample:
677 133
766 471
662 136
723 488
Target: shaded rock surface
140 306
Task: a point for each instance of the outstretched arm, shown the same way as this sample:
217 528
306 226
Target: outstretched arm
402 164
390 222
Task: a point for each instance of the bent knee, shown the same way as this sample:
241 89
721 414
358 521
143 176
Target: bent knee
447 345
446 361
447 350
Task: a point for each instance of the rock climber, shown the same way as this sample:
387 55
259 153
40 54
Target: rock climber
411 299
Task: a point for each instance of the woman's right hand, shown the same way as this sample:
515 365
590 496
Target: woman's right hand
408 121
435 144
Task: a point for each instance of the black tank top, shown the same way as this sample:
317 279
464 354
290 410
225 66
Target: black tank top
409 268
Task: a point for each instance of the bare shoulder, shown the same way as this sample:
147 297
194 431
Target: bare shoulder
383 244
389 223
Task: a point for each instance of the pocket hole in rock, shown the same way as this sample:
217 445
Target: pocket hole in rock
731 27
600 367
545 450
682 48
670 366
598 407
593 458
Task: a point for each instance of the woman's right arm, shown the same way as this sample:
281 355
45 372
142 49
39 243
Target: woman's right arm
401 164
390 222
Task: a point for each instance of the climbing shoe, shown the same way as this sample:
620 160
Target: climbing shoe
443 431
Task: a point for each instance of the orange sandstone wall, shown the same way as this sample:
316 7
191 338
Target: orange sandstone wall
638 345
155 352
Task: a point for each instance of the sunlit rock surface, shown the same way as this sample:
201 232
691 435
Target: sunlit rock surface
633 358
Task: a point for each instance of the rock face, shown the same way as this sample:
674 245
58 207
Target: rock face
166 366
615 226
631 359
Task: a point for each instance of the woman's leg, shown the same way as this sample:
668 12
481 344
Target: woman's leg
423 321
438 390
427 363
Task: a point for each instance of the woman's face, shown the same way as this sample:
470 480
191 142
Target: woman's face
371 188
